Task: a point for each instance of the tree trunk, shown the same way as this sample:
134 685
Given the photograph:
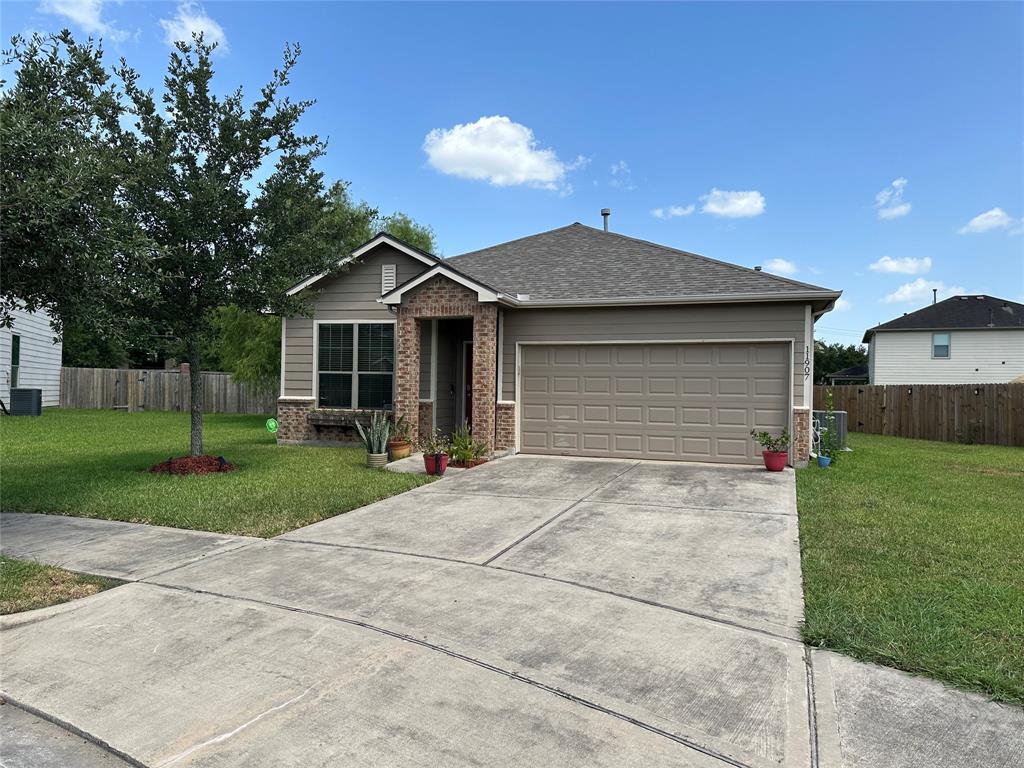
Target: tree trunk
196 405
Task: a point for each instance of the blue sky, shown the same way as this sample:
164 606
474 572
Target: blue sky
875 148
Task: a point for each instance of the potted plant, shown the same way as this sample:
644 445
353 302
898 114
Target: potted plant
828 449
775 450
464 450
400 446
435 452
375 438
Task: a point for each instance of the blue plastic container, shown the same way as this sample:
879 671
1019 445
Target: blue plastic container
824 461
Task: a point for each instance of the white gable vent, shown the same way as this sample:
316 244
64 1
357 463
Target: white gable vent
388 277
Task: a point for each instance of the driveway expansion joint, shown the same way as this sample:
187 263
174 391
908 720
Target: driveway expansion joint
565 511
718 620
682 740
70 728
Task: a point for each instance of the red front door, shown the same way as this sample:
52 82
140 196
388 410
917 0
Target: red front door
467 407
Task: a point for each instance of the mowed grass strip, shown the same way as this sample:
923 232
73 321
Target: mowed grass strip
913 557
94 464
25 586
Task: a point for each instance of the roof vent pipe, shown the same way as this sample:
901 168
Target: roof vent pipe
935 295
605 213
757 269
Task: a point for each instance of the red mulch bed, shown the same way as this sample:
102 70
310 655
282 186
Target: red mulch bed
192 465
468 464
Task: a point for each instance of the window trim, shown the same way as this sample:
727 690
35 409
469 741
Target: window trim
948 345
355 358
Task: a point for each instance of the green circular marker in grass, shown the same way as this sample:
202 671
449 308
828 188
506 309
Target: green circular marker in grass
271 426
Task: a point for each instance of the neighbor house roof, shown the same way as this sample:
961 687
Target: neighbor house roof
958 313
578 264
853 372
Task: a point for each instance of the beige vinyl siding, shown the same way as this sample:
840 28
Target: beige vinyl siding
40 356
975 357
298 360
670 323
350 295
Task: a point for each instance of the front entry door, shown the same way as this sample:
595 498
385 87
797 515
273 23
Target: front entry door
467 378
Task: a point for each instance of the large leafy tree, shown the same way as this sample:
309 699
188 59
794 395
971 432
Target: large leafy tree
248 344
220 235
68 244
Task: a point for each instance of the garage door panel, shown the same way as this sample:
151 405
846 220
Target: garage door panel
659 401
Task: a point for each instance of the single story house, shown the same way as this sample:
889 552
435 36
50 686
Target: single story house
961 340
855 374
575 341
30 356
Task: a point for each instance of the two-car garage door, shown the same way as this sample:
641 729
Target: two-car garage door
695 402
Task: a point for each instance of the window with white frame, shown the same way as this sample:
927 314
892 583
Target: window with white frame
356 365
940 345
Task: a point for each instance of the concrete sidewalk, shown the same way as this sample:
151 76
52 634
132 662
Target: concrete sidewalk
127 551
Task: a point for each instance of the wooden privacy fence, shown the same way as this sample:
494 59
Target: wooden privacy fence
969 413
157 391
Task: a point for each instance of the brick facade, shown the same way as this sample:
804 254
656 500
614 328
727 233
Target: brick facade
801 436
441 297
293 420
505 426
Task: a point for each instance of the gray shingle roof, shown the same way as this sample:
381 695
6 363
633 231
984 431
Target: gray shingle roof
580 262
976 311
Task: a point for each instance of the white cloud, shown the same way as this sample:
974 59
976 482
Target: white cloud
889 202
842 305
622 175
672 211
192 18
920 292
496 150
996 218
733 205
904 266
781 266
87 14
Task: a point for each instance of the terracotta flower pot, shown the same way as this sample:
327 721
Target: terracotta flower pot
399 449
775 461
435 463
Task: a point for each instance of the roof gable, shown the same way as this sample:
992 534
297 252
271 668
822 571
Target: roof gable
381 238
977 312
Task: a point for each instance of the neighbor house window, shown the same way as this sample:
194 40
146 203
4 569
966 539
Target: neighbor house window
15 358
355 365
940 345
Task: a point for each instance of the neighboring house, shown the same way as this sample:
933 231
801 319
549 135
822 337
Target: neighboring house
962 340
30 356
574 342
855 374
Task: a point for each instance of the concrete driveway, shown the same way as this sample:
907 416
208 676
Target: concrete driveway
529 612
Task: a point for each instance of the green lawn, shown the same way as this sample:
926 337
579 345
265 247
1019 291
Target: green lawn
25 585
93 464
913 556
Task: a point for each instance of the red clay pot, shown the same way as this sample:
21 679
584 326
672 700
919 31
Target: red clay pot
775 461
430 463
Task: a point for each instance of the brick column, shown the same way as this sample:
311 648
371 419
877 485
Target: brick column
801 436
293 420
505 426
485 350
407 371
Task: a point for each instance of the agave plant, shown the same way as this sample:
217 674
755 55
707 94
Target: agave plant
375 436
